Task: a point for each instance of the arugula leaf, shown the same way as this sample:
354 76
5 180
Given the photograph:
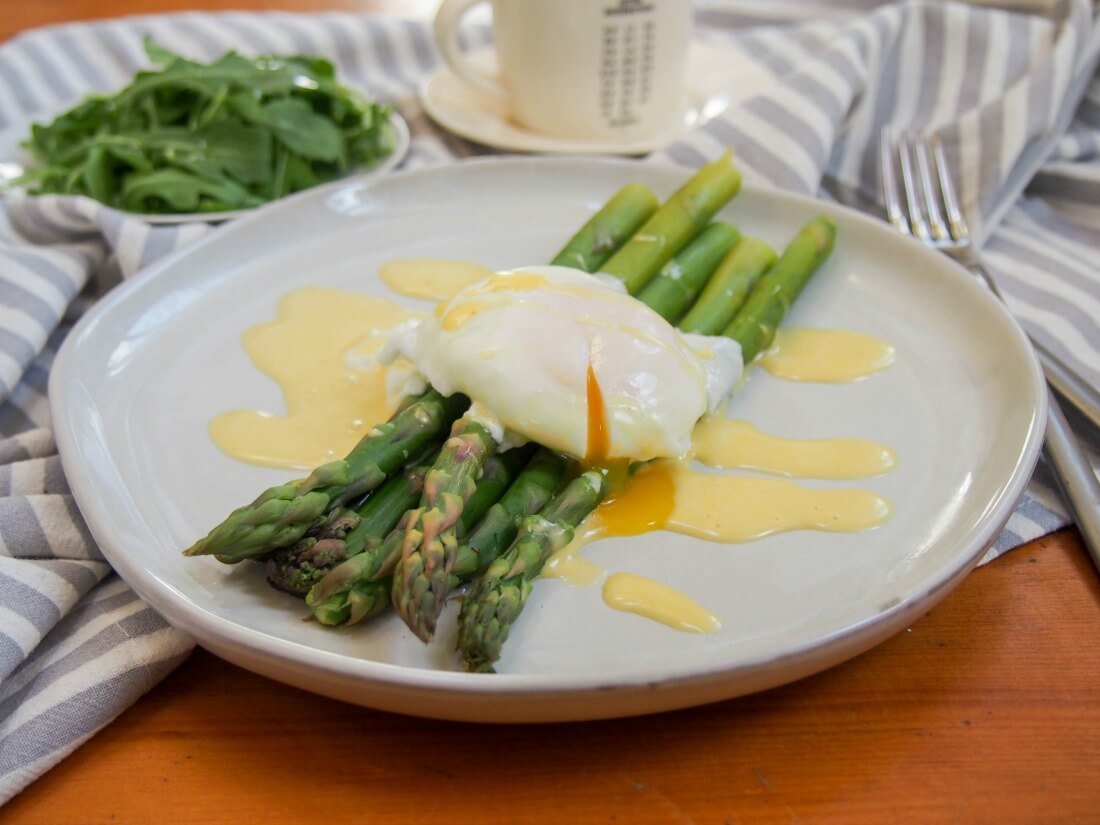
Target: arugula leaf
97 174
302 130
159 54
189 136
241 152
181 191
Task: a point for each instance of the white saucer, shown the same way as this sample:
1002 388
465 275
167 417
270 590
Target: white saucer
717 77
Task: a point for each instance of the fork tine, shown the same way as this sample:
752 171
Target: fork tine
890 181
959 230
928 189
908 179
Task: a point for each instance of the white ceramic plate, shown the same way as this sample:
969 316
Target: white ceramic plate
11 170
479 117
136 383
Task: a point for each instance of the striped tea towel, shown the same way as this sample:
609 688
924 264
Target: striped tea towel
1010 94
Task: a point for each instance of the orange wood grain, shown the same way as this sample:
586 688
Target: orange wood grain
987 710
16 16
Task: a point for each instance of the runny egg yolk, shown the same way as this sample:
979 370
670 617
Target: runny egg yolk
597 443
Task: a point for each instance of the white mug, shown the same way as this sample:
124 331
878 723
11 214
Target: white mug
596 70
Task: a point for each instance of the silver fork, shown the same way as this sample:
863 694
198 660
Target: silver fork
923 218
952 237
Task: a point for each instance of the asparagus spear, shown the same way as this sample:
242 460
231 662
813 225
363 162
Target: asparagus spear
674 288
493 534
422 577
726 292
360 587
283 514
606 231
360 580
500 473
672 226
296 569
500 593
345 533
355 589
754 325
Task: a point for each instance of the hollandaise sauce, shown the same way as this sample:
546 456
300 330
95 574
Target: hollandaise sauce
434 279
826 355
328 406
659 602
730 444
570 567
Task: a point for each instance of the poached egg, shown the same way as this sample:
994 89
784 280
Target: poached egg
570 360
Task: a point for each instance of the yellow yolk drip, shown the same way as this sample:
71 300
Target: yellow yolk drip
644 503
329 406
826 355
598 441
729 445
435 279
637 594
637 504
670 495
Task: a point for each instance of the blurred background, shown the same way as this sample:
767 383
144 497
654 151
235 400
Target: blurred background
16 15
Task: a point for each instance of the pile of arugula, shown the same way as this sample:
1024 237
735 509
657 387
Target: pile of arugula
194 137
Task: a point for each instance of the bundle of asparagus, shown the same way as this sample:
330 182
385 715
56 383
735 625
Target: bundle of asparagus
405 519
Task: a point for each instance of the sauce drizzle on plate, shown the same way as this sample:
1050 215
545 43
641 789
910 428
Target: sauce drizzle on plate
330 406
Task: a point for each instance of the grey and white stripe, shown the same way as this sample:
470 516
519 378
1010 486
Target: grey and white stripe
1014 97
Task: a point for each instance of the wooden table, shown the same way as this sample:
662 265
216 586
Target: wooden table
987 710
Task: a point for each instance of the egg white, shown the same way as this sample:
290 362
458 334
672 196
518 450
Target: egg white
520 346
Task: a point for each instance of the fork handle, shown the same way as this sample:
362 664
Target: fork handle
1075 478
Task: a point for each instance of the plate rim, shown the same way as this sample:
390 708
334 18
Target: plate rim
219 631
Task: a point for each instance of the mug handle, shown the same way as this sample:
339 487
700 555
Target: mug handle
445 28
